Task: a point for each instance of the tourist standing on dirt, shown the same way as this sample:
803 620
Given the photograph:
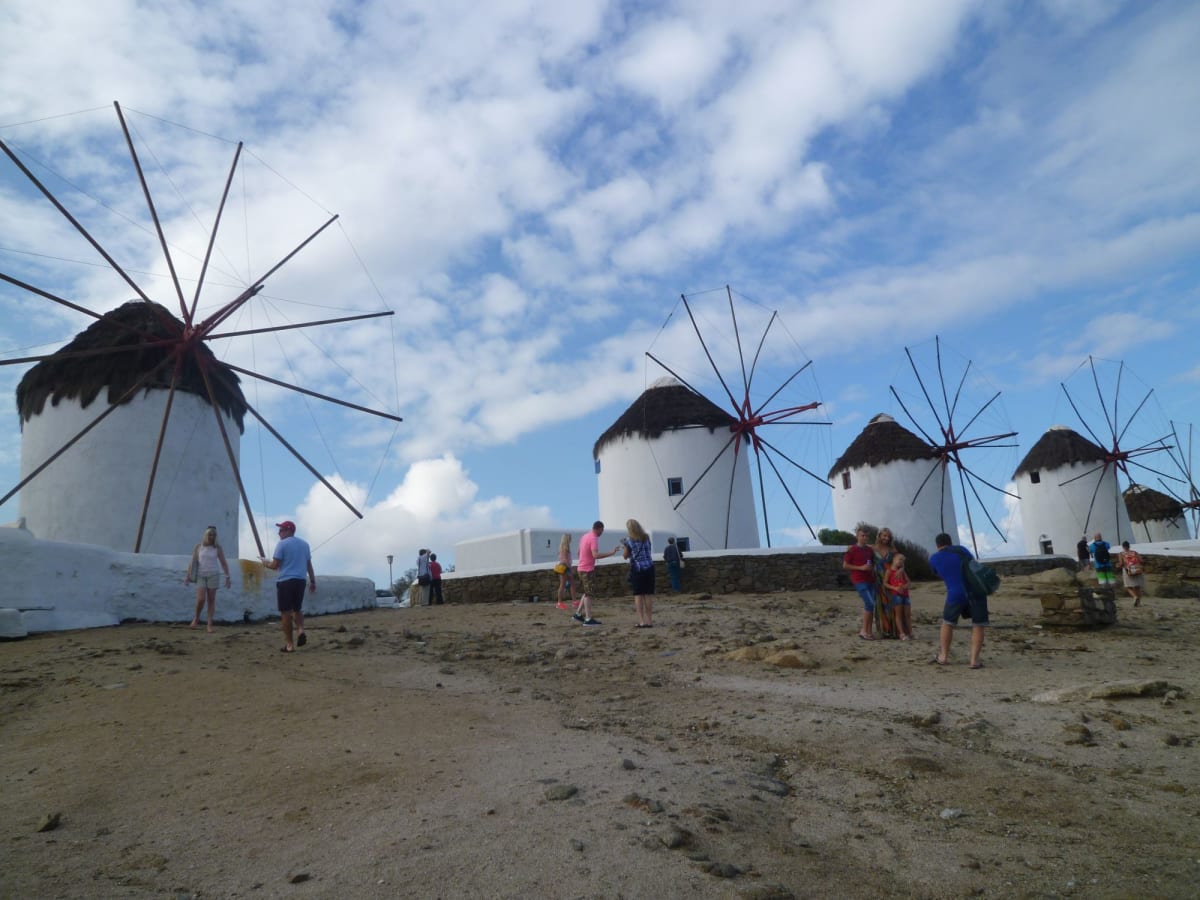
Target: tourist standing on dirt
435 580
207 563
421 598
896 585
589 546
640 554
949 564
563 570
885 552
1132 573
1102 558
673 557
293 560
859 561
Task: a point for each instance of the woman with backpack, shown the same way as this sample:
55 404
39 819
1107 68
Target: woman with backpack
1132 573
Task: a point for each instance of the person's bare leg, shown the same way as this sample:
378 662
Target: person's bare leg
199 606
299 617
285 622
944 637
648 606
867 630
976 645
585 606
639 605
212 605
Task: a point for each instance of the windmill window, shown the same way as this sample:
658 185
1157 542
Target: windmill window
845 481
597 467
684 544
674 487
1035 477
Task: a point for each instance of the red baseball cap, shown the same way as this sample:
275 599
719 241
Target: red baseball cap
286 524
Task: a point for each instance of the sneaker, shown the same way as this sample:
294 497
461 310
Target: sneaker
590 622
578 617
561 605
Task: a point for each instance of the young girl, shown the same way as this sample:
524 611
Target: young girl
896 584
564 571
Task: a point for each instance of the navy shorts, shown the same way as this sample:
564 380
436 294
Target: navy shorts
290 594
642 582
973 608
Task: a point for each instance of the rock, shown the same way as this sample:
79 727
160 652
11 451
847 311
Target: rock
1112 690
770 785
950 813
747 654
50 821
928 720
299 878
628 765
722 870
1079 734
561 792
1054 578
675 838
765 892
790 659
577 845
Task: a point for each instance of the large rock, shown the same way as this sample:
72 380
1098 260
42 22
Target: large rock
1082 607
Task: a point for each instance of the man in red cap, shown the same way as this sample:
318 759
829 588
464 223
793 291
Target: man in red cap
293 560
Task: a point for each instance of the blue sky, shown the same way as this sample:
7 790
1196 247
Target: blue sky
531 186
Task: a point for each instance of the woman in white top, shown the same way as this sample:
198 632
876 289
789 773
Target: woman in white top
207 562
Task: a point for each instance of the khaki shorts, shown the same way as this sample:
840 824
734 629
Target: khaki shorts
210 582
585 581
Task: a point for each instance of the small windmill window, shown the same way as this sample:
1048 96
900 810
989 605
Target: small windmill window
674 487
597 467
684 544
846 481
1035 477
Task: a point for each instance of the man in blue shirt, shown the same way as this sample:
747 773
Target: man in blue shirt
293 560
948 564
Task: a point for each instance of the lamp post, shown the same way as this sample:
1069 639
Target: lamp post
391 583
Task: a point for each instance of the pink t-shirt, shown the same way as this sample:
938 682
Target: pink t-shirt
588 545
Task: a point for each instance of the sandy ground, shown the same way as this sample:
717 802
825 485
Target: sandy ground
504 751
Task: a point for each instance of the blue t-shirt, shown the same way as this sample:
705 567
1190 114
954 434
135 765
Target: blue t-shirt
1102 566
293 555
947 564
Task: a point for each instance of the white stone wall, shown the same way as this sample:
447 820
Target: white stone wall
1058 511
632 484
94 492
58 586
883 495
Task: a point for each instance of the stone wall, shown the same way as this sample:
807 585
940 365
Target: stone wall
818 569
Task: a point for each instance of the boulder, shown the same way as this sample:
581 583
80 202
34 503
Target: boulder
1084 607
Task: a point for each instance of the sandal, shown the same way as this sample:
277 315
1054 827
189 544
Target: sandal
937 661
977 665
287 649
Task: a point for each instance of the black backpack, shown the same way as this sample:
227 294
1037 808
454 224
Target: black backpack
1101 554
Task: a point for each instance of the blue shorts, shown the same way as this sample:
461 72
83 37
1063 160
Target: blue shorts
973 608
866 590
901 600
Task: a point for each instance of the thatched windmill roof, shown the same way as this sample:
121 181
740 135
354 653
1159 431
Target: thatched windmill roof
1145 504
1060 446
66 377
664 406
884 440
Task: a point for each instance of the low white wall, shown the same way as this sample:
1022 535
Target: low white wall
58 586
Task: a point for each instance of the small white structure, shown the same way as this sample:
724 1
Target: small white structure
528 546
94 492
652 459
1067 492
1155 516
884 478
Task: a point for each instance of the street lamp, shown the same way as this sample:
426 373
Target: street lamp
391 583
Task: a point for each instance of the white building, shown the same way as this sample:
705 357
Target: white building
1067 492
884 478
94 492
652 459
1155 516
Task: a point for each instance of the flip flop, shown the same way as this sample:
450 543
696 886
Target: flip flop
301 639
940 662
977 665
866 637
287 650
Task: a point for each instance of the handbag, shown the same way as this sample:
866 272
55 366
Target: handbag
682 564
194 570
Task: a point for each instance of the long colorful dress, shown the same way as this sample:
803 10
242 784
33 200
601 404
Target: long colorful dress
885 610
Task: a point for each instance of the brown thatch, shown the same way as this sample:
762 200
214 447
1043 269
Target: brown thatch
884 440
662 408
1060 446
1147 505
124 332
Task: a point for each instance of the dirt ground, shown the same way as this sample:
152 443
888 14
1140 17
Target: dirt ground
504 751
